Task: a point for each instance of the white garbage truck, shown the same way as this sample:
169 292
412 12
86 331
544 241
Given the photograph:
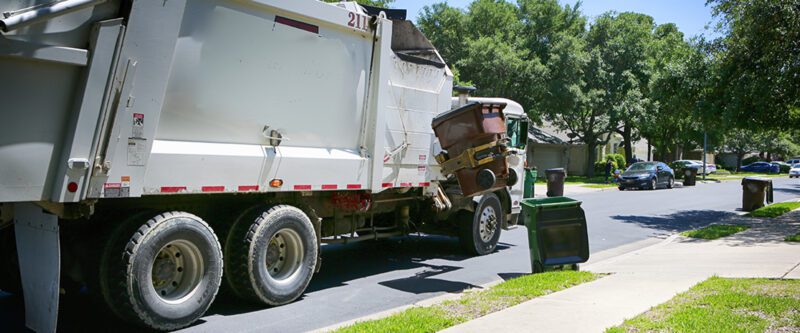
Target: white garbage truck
154 151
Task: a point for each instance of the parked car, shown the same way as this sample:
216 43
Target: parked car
794 172
782 167
793 161
680 164
647 175
762 167
710 168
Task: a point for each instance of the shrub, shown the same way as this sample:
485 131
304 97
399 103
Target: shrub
600 167
751 159
619 160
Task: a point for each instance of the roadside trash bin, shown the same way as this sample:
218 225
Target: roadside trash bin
555 181
689 176
754 192
530 181
557 235
472 139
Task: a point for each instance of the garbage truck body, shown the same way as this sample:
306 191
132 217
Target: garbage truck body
154 151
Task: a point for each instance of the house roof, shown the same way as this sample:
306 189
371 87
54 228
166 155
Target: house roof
540 136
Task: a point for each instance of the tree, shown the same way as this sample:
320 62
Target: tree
375 3
445 28
622 40
759 74
740 142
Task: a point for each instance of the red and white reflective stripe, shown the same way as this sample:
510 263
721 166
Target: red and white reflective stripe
302 187
424 184
330 187
406 185
353 186
213 188
172 189
386 185
247 188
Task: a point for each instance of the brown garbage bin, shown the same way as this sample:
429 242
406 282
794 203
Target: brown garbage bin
555 181
755 191
473 139
689 176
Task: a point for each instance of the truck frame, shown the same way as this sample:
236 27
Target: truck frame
155 151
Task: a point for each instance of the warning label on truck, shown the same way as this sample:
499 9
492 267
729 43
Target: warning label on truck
138 125
137 151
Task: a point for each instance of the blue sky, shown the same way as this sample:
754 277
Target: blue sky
691 16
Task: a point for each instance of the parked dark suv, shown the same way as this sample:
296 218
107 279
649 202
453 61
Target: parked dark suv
647 175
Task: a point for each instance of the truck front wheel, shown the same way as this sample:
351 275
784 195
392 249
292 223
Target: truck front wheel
480 231
272 254
162 274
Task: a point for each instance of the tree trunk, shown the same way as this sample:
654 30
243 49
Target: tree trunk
592 147
739 157
626 139
649 152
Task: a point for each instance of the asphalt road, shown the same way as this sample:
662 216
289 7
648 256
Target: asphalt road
365 278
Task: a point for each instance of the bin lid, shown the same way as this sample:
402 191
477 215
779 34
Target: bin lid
552 202
746 180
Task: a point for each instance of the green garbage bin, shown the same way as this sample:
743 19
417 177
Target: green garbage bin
530 181
557 235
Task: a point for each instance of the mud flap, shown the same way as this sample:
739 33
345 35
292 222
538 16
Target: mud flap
38 249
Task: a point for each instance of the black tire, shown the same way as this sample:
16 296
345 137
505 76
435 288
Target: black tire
485 179
653 183
670 182
281 234
621 188
177 247
470 230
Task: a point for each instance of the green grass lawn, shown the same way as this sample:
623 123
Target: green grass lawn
775 210
740 175
793 238
473 304
715 231
725 305
593 182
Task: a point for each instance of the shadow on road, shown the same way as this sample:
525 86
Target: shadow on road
681 221
790 189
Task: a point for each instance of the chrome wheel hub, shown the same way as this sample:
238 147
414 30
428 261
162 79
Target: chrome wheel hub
176 271
284 254
487 225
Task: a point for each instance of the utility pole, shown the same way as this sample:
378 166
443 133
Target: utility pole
705 153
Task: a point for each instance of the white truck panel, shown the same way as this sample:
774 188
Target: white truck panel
190 167
236 71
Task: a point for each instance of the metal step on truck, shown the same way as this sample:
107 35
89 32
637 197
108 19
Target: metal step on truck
152 152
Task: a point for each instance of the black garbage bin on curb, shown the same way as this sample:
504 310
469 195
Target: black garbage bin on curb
555 181
557 234
689 176
755 190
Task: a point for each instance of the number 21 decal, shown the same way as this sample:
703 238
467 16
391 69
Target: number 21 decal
358 21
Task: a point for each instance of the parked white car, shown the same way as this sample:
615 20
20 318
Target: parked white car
794 172
710 168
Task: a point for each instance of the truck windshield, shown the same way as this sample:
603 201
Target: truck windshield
517 130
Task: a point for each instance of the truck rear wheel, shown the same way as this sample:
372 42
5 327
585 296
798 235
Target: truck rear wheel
162 274
480 231
272 254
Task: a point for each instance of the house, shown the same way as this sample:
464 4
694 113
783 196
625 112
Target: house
552 148
548 150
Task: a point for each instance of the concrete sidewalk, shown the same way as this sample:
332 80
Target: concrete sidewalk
650 276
